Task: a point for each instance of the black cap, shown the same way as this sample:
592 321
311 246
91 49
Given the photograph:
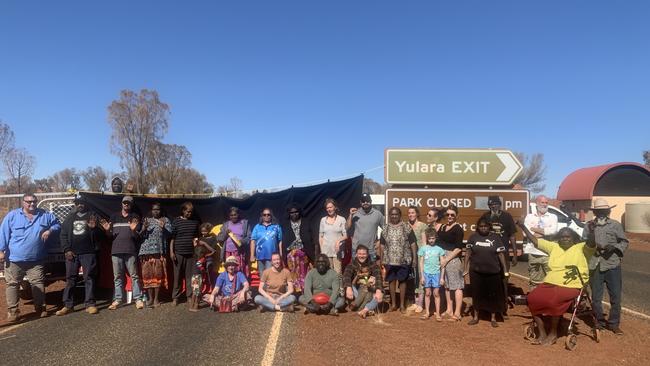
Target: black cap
494 199
366 198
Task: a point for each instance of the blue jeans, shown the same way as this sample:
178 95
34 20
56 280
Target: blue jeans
614 280
262 265
371 305
89 264
120 263
268 305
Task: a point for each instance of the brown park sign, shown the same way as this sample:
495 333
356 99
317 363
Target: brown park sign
482 167
471 203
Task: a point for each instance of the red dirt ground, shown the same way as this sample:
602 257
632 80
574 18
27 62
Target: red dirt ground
405 339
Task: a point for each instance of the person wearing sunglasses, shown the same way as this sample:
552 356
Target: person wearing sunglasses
124 229
23 236
299 246
450 238
266 239
433 218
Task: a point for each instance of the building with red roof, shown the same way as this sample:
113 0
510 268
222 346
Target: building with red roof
618 183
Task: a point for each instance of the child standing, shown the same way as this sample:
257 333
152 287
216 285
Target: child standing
431 276
201 252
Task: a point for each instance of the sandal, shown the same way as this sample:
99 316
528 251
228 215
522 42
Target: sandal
536 342
494 324
438 318
425 316
454 318
472 322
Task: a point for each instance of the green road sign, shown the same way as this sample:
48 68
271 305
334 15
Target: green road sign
451 166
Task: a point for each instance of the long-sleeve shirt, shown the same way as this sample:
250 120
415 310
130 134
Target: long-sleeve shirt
547 221
20 238
316 283
610 233
125 240
77 236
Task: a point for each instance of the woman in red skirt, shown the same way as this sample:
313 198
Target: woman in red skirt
561 285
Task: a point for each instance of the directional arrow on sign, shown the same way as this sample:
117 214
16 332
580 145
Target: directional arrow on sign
478 167
512 167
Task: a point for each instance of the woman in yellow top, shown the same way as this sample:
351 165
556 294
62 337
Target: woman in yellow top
561 285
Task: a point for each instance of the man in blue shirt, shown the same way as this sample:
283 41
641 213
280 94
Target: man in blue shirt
23 234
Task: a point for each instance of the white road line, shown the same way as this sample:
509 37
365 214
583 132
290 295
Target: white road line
9 329
623 309
271 345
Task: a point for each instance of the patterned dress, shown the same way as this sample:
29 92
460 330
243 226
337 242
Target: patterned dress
297 260
153 263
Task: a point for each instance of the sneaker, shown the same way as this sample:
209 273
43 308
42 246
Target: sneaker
12 316
334 312
64 310
139 304
114 305
92 310
261 308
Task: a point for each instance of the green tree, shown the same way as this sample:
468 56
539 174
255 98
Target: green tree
138 121
169 163
95 179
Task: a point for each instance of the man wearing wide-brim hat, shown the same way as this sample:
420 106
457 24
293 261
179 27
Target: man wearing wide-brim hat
605 265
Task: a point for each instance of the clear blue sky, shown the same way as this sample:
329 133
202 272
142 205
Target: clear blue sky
281 92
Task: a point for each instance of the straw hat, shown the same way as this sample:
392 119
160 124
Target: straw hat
601 204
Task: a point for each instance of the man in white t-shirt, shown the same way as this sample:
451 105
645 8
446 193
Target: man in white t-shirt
542 224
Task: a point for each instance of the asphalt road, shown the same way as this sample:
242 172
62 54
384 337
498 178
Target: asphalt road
167 336
636 280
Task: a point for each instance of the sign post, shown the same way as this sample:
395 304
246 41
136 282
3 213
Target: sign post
468 167
471 203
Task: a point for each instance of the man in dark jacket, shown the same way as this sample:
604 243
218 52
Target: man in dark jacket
79 241
362 283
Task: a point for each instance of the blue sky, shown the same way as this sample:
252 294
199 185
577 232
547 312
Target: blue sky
287 92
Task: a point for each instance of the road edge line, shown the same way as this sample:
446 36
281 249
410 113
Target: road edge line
623 309
10 328
271 345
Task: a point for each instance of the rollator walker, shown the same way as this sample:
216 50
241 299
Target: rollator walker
581 306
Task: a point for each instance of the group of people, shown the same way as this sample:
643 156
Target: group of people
292 269
567 262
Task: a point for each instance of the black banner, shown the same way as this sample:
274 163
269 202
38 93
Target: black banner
311 199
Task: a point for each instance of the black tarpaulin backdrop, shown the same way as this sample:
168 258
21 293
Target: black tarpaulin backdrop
347 194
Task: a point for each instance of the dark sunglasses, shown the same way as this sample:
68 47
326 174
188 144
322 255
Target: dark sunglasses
30 202
293 212
265 214
450 214
430 215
